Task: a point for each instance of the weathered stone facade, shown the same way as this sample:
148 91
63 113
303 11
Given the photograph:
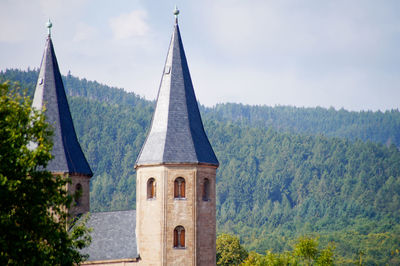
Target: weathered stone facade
81 201
206 218
158 217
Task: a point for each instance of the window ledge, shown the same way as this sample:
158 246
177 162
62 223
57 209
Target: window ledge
151 199
179 247
180 198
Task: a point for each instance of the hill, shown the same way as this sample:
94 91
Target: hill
280 177
382 127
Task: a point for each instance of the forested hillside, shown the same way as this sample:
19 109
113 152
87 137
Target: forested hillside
383 127
364 125
273 184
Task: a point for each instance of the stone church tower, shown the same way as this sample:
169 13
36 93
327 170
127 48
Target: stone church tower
176 171
68 158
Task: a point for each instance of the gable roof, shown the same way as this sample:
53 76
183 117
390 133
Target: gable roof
49 92
113 236
176 134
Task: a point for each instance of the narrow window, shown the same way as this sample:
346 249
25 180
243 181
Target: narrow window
179 188
206 190
78 194
151 188
179 237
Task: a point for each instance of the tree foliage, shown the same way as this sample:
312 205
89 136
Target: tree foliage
32 201
378 126
306 251
284 171
229 250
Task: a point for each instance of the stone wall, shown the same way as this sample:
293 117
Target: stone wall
82 204
157 218
150 216
206 220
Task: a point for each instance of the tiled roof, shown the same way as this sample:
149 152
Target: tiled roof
176 134
68 155
113 236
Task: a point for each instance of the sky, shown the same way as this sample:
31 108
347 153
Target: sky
305 53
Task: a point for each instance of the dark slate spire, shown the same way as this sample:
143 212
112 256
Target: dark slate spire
176 134
68 156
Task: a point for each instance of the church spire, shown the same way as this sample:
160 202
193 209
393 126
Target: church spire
67 153
176 134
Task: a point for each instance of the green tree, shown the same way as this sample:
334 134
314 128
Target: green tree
33 202
307 249
270 258
229 250
326 256
305 252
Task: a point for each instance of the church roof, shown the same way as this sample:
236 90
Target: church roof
67 153
176 134
113 236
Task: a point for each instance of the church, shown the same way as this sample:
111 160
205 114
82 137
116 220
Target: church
174 220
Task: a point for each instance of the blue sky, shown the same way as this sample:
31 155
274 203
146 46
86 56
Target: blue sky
310 53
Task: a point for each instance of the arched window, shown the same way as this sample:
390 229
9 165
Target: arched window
78 194
179 237
179 188
151 188
206 190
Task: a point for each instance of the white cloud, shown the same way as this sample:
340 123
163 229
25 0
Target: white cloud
130 25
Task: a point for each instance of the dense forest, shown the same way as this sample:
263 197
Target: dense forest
330 122
284 171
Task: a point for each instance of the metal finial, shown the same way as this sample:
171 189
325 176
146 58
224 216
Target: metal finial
49 25
176 13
